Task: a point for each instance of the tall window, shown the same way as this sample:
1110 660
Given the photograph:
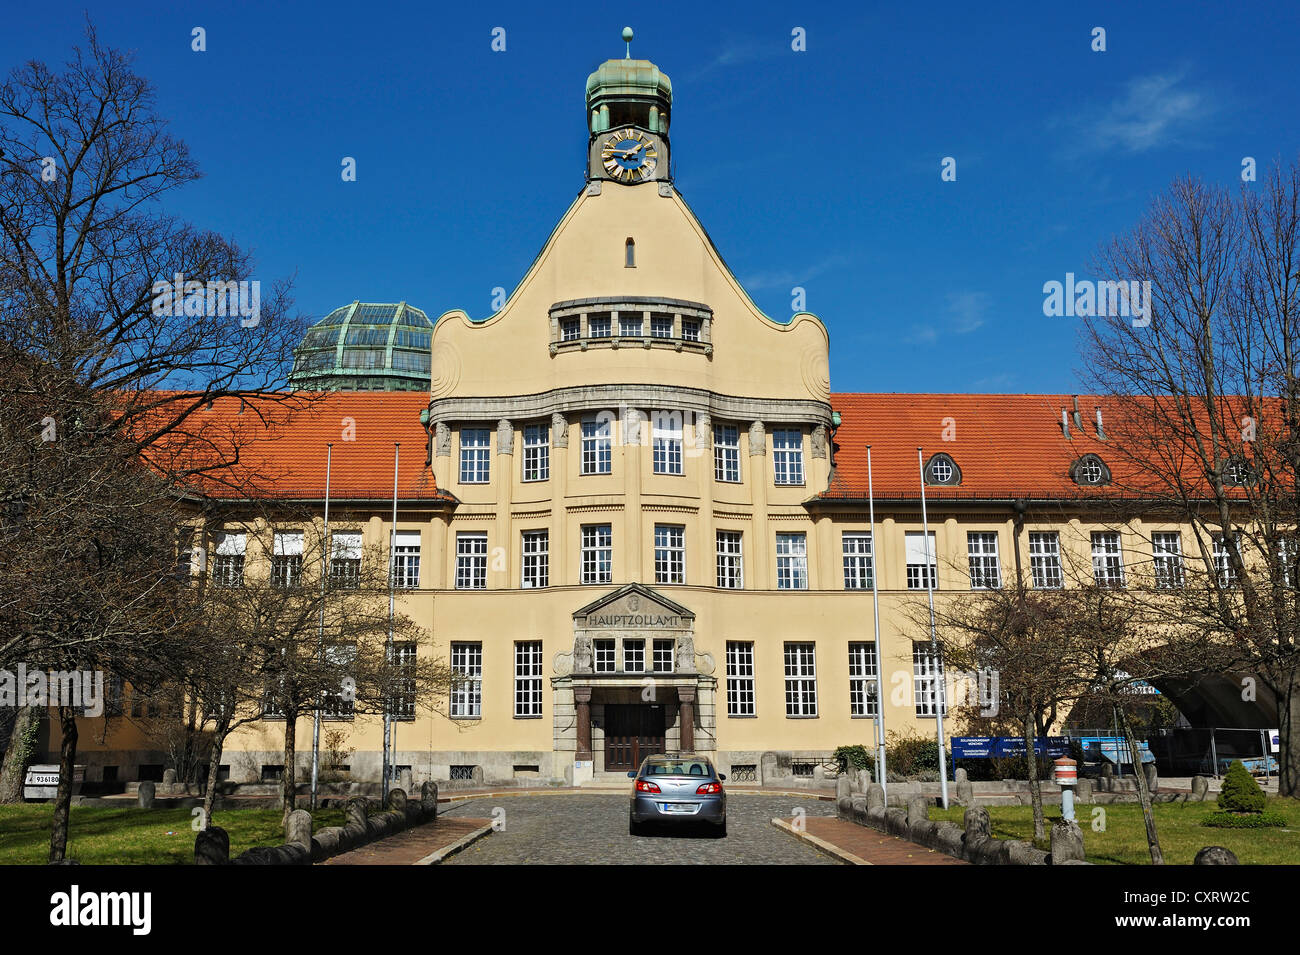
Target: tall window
596 455
791 562
1223 563
471 560
629 254
338 704
921 567
726 453
536 570
1107 561
857 560
604 653
475 455
537 452
982 553
927 679
467 690
787 456
528 678
740 678
634 656
1167 558
663 656
670 554
402 702
406 560
864 688
630 326
345 560
1045 559
661 326
286 560
668 442
731 562
800 680
228 560
597 553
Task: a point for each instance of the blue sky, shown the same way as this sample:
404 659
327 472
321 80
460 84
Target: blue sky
818 169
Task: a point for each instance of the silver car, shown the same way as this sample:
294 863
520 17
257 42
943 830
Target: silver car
677 789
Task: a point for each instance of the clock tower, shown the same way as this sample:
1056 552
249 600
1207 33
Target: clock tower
628 106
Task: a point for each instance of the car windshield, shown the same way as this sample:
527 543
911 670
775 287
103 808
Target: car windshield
678 767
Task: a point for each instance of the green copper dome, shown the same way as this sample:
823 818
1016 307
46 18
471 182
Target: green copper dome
629 92
365 347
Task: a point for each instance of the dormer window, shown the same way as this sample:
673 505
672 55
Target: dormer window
942 471
1090 471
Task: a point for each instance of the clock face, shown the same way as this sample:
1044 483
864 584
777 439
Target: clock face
629 156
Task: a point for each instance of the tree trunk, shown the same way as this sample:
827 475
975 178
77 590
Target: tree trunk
214 767
1144 794
63 800
1288 713
20 754
1035 790
289 782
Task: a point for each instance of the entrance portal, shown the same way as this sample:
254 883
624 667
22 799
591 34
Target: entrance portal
632 732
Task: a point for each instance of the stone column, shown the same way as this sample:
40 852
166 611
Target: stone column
686 713
582 699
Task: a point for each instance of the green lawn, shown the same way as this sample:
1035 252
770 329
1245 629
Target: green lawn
1178 824
132 836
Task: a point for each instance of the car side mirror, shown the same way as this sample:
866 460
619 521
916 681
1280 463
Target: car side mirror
631 774
722 777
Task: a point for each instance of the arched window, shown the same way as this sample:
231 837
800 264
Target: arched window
1090 471
629 251
942 470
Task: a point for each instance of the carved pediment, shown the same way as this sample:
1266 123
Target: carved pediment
633 607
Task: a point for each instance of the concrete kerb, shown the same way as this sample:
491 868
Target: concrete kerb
464 842
821 845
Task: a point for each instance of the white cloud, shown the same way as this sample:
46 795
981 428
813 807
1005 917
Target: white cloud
1157 110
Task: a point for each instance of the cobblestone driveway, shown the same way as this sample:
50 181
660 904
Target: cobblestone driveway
588 829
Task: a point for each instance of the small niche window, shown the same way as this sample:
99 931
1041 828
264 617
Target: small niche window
1236 473
629 254
1090 471
942 470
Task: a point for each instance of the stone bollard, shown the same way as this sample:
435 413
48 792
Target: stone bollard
862 780
1083 790
429 797
1200 789
1107 771
356 814
875 797
169 777
1067 843
406 780
1215 855
960 775
965 793
918 810
843 787
297 829
397 800
212 846
1153 778
146 795
976 823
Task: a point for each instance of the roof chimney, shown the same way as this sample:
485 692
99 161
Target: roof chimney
1101 435
1065 423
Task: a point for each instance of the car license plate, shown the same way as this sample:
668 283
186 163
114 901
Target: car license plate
679 807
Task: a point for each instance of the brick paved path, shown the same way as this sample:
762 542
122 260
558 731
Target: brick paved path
878 848
586 829
412 845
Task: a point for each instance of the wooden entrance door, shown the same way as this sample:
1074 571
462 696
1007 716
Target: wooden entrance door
632 732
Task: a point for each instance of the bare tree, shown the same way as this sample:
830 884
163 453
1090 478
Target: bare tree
1207 424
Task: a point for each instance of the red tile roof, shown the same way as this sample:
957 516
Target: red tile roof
1006 446
282 446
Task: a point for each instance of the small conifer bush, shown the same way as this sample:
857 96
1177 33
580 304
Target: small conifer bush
1240 792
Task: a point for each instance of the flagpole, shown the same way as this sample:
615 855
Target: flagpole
931 570
881 771
388 649
320 636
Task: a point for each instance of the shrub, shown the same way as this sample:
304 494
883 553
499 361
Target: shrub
1252 820
1240 792
911 755
852 758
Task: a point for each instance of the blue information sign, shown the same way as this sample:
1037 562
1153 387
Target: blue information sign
984 747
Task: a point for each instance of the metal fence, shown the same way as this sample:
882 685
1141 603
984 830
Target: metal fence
1203 751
